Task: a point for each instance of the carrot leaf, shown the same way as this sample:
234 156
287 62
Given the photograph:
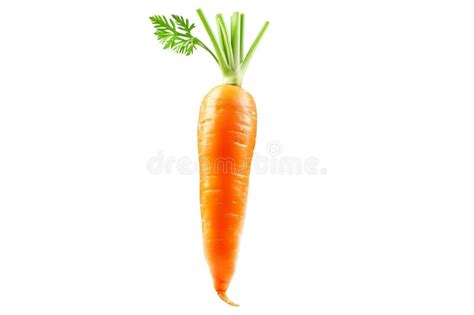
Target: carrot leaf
175 34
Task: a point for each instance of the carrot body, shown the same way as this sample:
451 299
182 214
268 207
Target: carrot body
226 139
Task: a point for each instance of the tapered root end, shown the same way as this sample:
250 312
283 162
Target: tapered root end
224 298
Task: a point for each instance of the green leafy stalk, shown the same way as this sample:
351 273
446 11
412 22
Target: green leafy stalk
242 32
235 40
217 48
175 34
224 40
252 49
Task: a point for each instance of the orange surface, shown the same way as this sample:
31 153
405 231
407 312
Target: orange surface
226 139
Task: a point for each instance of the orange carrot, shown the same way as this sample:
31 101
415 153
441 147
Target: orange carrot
226 138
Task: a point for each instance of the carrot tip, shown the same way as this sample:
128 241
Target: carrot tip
224 298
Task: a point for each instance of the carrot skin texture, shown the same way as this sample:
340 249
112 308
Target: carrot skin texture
226 140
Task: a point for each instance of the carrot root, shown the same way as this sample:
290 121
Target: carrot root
224 298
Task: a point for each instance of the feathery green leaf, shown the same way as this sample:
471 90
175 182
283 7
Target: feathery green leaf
175 33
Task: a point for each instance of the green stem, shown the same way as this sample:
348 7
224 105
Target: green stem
220 57
208 50
242 30
225 42
229 51
235 40
252 49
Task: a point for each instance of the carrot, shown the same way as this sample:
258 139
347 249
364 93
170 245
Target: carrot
226 138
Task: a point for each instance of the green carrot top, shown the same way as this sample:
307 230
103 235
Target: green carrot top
175 34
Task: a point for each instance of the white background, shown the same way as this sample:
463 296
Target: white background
381 92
